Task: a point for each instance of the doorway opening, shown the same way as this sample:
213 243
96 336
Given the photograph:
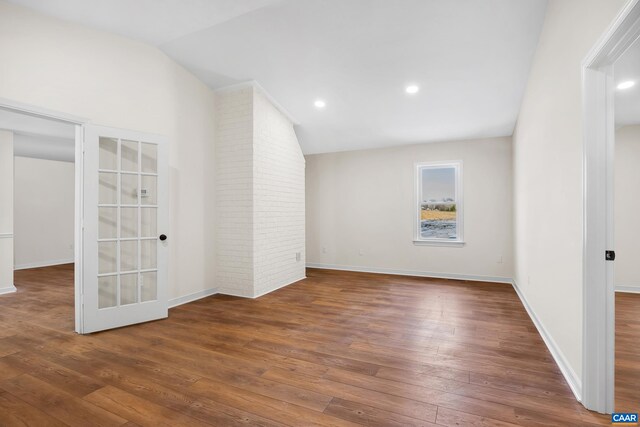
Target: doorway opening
600 125
626 79
121 216
38 217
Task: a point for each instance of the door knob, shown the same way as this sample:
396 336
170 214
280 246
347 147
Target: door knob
163 237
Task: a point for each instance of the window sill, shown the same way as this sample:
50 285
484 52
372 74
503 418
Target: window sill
449 243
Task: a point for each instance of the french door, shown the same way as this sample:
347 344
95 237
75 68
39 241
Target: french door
124 221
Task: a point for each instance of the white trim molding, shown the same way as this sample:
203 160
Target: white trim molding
259 294
234 293
598 314
32 110
575 384
7 289
444 243
628 289
414 273
40 264
174 302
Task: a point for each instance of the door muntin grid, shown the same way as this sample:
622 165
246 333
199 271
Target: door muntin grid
127 222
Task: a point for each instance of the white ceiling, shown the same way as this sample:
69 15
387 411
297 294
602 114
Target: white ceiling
152 21
627 102
470 58
39 138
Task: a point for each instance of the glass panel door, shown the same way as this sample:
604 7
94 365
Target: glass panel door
127 236
125 270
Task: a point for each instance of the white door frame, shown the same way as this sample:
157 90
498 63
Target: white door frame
79 123
598 166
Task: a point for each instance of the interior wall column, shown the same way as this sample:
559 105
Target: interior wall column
6 212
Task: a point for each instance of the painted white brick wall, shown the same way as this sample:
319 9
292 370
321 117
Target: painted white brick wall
278 198
234 192
260 196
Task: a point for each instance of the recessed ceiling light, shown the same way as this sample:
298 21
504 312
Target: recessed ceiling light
320 103
412 89
626 85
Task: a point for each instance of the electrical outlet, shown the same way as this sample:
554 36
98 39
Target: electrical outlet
324 249
360 252
298 256
500 260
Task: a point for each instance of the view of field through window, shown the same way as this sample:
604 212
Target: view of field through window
438 211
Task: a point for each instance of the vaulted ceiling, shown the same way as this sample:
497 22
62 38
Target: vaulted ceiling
469 58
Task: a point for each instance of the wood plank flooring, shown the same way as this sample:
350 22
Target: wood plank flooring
627 352
336 349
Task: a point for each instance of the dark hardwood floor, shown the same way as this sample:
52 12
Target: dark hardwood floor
335 349
628 352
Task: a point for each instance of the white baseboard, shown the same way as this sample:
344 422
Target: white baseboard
233 293
174 302
575 384
279 287
7 289
628 289
39 264
454 276
258 295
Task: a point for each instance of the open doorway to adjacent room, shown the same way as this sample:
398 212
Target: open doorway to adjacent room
37 211
610 78
627 229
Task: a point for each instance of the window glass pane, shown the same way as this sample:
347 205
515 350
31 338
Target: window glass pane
107 288
148 222
438 207
148 193
108 154
107 223
128 222
148 254
129 156
128 288
129 184
128 255
149 158
107 188
148 286
107 257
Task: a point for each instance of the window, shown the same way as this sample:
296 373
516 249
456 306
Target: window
439 203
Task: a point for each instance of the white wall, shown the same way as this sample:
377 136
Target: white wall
114 81
626 208
259 195
363 202
43 212
279 198
6 212
547 164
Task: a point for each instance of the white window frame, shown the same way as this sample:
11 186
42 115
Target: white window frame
417 238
